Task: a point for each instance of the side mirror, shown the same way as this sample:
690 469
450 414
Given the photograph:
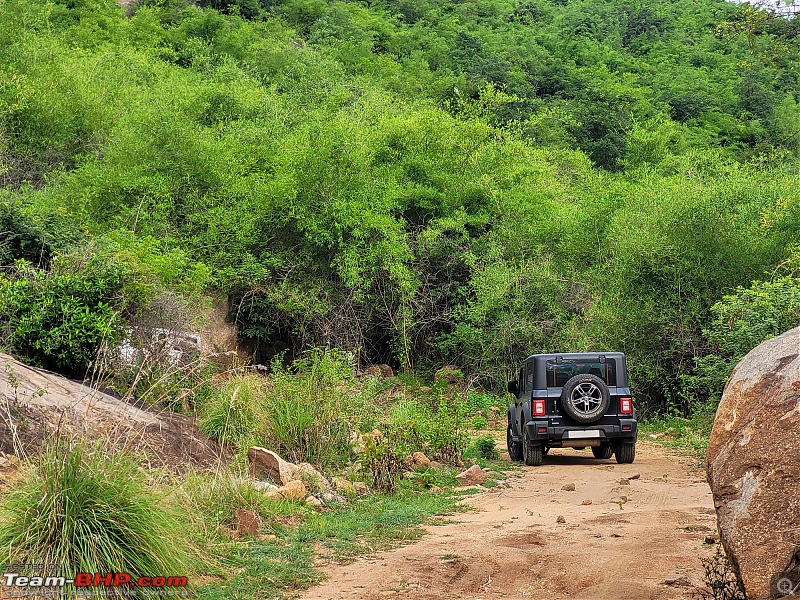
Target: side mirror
513 387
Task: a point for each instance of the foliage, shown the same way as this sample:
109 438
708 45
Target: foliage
721 582
62 319
90 513
483 446
739 323
686 436
416 183
304 411
229 415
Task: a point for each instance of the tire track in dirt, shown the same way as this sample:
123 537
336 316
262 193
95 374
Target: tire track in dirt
512 547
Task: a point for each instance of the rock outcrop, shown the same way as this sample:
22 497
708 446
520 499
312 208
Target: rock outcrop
753 466
37 405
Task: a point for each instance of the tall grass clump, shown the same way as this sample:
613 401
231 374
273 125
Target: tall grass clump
304 411
89 511
309 409
229 416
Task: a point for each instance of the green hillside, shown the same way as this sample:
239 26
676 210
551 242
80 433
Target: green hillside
423 182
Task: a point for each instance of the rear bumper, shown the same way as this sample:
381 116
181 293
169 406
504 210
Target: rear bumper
542 431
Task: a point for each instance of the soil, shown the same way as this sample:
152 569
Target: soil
625 545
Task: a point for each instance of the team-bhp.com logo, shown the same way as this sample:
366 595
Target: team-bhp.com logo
116 581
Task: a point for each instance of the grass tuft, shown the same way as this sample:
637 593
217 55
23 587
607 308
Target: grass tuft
89 511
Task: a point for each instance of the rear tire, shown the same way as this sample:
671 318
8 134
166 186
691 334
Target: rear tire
626 452
602 452
514 448
532 453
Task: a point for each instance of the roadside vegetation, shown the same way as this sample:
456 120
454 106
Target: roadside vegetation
416 183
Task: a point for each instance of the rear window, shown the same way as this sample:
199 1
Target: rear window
559 373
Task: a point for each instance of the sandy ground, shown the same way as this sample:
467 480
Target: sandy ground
622 546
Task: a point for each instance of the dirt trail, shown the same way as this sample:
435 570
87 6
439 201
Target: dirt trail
512 546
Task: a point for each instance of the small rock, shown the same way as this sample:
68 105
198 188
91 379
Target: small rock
619 500
678 581
343 486
435 464
247 522
294 490
655 436
472 476
624 482
574 525
637 475
379 371
313 478
264 486
561 519
418 461
435 489
616 535
314 501
266 463
361 488
568 487
711 539
586 502
330 498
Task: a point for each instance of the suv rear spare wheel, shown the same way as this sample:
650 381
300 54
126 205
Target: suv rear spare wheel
585 398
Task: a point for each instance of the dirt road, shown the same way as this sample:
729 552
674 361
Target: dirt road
622 546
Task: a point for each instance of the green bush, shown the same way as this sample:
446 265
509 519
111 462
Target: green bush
307 416
479 422
61 319
438 428
305 412
483 446
90 512
212 501
740 322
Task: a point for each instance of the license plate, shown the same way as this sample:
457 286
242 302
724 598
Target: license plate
582 435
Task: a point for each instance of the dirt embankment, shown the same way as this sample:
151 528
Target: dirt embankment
622 546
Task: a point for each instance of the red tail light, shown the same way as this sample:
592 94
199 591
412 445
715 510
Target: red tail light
625 406
538 408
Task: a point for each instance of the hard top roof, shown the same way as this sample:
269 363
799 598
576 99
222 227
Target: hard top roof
574 355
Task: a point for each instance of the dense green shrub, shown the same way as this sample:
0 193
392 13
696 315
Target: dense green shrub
89 511
740 322
62 319
483 446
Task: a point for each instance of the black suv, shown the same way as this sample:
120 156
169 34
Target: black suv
572 401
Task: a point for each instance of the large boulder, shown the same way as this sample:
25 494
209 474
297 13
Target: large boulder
40 405
753 465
